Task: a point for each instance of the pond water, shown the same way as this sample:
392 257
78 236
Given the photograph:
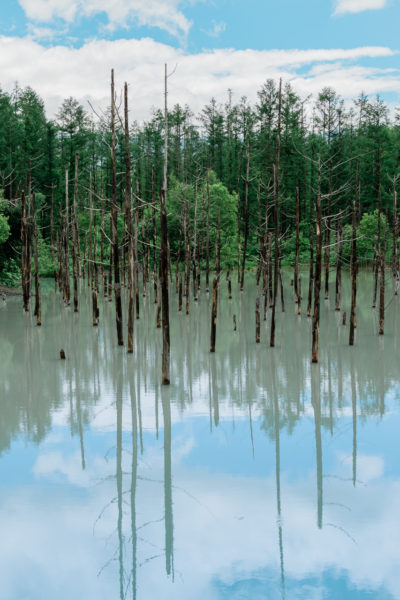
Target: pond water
254 475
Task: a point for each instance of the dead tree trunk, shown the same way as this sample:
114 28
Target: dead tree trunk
67 292
214 315
95 279
318 268
395 261
246 214
208 235
328 235
164 250
276 217
258 324
353 278
24 254
75 239
114 213
164 291
382 292
296 262
128 222
38 306
338 285
311 275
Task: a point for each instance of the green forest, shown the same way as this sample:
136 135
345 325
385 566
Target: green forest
220 176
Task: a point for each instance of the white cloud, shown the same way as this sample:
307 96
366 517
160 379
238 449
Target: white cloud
164 14
356 6
59 72
216 30
45 11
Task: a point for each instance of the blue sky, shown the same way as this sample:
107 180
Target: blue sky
105 33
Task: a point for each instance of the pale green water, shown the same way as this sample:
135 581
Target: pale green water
254 475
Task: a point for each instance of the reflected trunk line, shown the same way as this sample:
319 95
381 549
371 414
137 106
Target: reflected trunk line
169 524
278 473
382 381
210 411
80 427
133 486
214 386
249 403
316 403
330 393
139 407
119 486
354 412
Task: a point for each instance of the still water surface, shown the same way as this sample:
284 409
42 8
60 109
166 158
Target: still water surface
255 475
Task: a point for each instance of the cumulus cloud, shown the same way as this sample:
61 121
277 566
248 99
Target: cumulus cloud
58 72
164 14
356 6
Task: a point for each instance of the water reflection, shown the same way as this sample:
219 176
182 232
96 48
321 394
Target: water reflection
212 487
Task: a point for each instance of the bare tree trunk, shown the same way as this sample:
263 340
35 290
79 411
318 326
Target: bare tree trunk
195 249
214 315
74 237
24 258
128 222
318 268
246 214
164 292
114 231
218 247
353 278
258 325
52 225
38 306
276 217
296 262
67 293
239 218
378 242
338 286
382 292
95 280
395 261
208 235
187 254
311 276
328 235
164 251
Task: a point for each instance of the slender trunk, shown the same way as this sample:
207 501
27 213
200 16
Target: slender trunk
208 235
395 262
128 223
67 292
164 252
246 214
52 225
328 235
382 293
276 217
214 315
296 262
258 325
311 275
114 231
164 292
353 278
338 285
38 306
24 262
318 268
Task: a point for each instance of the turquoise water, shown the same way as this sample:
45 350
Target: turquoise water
253 475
